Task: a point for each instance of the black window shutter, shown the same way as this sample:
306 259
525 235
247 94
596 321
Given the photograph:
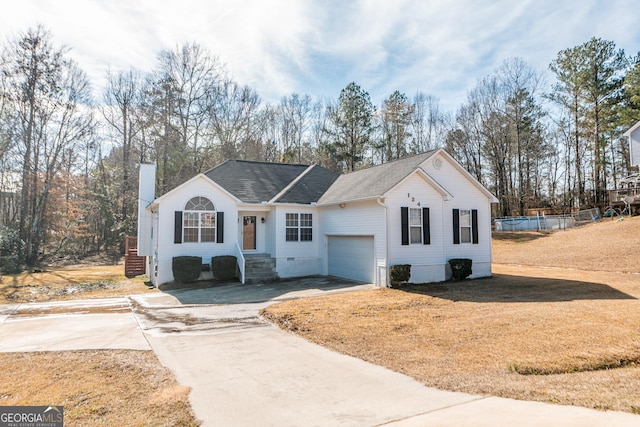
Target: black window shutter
456 226
220 228
474 226
426 232
177 227
404 220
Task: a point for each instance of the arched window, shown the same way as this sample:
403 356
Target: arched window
199 221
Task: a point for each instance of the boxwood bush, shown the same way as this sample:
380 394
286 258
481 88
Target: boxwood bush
224 267
186 268
400 274
460 268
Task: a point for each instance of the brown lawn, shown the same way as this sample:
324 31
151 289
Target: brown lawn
96 387
534 331
70 282
608 245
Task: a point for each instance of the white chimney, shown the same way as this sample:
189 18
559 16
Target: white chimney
146 195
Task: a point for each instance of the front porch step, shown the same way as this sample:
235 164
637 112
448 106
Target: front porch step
260 268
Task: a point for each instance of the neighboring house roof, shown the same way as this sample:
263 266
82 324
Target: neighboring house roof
257 182
372 182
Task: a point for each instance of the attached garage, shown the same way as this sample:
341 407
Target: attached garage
352 257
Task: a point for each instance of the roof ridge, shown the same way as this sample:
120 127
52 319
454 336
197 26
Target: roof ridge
254 162
271 163
413 156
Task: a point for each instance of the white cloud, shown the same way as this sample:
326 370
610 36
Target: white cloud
317 47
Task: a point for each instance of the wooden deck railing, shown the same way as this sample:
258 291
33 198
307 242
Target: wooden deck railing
134 265
617 196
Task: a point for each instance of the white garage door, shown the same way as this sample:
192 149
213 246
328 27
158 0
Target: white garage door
352 257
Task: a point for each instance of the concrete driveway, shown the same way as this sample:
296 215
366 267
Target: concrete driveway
244 371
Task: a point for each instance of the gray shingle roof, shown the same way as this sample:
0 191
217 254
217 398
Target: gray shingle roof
256 182
372 182
310 187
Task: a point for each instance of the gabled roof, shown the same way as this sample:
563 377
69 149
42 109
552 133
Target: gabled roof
257 182
632 129
372 182
311 186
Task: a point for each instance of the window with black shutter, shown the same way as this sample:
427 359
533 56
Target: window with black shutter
465 226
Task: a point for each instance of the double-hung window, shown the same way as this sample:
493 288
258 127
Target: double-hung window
415 226
415 229
199 221
299 227
465 226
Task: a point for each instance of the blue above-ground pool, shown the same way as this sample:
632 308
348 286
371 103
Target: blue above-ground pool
534 223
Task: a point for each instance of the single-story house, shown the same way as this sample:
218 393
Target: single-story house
307 220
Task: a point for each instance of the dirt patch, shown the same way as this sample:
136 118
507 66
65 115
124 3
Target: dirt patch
64 283
97 387
26 311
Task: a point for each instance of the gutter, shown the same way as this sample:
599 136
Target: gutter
363 199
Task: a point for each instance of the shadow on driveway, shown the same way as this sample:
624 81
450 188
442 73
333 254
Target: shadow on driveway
235 293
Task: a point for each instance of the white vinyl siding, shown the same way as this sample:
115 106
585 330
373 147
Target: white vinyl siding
176 201
412 191
466 196
359 219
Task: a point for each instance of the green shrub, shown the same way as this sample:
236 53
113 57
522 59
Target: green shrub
460 268
400 273
186 268
224 267
11 251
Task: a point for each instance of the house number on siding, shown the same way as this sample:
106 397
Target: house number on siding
413 199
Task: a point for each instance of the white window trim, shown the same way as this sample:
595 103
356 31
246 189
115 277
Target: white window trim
416 226
298 227
199 212
469 226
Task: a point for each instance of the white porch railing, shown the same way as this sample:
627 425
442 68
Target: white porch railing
241 262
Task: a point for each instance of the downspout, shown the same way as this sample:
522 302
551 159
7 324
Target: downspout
153 264
444 238
380 201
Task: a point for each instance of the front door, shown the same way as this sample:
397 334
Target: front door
248 233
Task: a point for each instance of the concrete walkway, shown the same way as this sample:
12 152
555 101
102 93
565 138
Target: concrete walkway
70 325
244 371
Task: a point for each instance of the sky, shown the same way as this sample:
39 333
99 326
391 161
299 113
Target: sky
317 47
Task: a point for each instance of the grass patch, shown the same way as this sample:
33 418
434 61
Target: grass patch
97 387
588 366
